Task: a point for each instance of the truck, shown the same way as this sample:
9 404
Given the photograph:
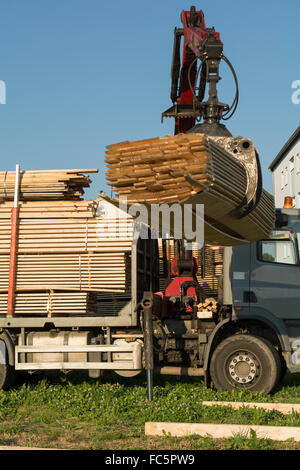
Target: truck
249 341
242 332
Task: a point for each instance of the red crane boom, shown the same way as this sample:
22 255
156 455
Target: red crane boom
204 44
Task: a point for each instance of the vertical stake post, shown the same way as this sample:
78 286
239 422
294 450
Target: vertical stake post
13 246
147 304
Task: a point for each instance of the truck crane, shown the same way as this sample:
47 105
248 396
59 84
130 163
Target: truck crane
249 338
200 44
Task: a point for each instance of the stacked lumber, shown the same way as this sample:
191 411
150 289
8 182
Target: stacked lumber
60 229
73 256
98 272
41 185
51 303
211 259
154 170
209 305
190 169
50 209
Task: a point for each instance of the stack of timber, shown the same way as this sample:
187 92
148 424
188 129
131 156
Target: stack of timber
64 227
210 304
50 184
51 303
99 272
191 169
73 256
210 259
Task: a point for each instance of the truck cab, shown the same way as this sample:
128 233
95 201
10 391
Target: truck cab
265 280
261 283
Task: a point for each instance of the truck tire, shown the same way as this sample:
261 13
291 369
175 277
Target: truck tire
245 361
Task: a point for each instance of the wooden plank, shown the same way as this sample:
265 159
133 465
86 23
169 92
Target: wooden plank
221 431
284 408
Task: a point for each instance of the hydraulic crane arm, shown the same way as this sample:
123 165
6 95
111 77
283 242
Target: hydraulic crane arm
204 44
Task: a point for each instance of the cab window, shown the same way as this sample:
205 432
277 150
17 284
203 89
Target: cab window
279 248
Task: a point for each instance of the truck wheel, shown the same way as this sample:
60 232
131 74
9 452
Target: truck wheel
245 361
7 376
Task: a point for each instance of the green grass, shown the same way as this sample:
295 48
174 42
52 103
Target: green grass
72 411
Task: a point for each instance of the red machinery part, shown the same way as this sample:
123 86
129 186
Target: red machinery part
201 43
164 306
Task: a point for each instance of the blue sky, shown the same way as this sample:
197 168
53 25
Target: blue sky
82 74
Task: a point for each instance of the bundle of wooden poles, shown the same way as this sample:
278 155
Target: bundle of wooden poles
190 169
68 253
50 184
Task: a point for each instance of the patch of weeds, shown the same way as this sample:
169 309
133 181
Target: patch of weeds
241 441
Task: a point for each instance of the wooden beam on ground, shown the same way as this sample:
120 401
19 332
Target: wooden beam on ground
219 431
284 408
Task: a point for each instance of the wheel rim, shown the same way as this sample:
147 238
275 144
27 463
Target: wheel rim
243 368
